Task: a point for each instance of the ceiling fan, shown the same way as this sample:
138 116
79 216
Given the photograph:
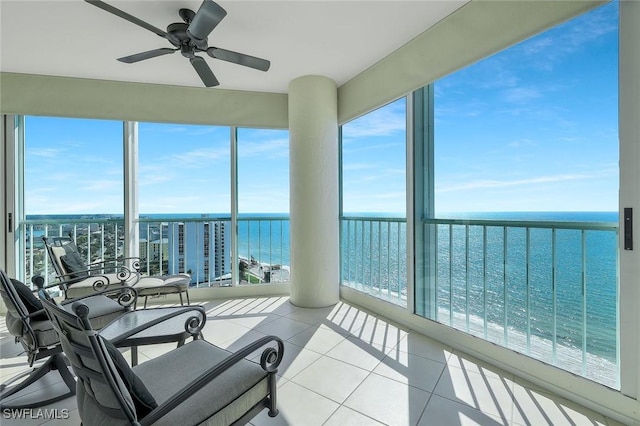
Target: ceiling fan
189 37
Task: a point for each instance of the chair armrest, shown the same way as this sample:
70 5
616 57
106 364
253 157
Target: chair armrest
126 296
101 282
116 262
131 275
71 278
269 361
193 325
122 272
38 312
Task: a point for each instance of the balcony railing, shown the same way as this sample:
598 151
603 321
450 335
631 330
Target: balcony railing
374 257
96 238
546 289
199 246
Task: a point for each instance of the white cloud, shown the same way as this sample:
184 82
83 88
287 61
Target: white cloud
358 166
269 148
545 50
45 152
384 201
100 185
494 184
264 199
200 157
521 94
521 143
385 121
189 203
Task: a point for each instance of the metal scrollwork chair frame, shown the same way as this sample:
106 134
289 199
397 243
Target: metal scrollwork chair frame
79 277
40 341
199 382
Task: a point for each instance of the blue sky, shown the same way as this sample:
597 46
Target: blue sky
531 128
74 166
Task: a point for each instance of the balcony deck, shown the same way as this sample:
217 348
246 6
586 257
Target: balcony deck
344 365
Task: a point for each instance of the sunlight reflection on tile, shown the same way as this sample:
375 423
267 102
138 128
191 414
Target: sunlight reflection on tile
488 394
345 365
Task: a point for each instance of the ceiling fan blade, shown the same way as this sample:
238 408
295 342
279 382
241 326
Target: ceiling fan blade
203 70
206 19
104 6
239 58
146 55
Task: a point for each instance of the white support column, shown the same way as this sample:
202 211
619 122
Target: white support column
131 213
314 192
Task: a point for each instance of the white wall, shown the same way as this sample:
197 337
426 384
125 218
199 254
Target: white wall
76 97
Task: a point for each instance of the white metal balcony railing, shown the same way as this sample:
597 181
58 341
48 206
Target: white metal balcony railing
200 246
546 289
374 257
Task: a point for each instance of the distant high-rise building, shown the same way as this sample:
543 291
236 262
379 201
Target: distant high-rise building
154 250
201 249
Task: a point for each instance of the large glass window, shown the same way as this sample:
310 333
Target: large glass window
73 166
374 162
263 205
373 224
185 200
526 154
73 184
533 128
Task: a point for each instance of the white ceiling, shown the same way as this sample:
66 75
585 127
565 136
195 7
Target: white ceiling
337 39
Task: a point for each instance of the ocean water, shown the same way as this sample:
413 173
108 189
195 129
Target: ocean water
550 294
577 277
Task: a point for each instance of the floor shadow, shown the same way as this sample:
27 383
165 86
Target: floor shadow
426 382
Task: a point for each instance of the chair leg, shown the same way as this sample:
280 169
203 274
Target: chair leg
273 411
55 362
188 301
181 301
61 364
145 302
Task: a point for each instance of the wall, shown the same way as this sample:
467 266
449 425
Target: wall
84 98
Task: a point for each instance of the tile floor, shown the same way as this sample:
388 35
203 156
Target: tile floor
345 366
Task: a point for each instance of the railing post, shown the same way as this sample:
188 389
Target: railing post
554 332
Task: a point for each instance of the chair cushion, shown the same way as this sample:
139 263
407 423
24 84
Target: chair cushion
14 324
102 310
74 265
85 287
45 333
29 300
221 401
162 284
142 398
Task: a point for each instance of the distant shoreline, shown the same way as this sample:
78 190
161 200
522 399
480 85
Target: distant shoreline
588 216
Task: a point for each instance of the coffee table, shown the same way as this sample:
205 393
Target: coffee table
154 326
